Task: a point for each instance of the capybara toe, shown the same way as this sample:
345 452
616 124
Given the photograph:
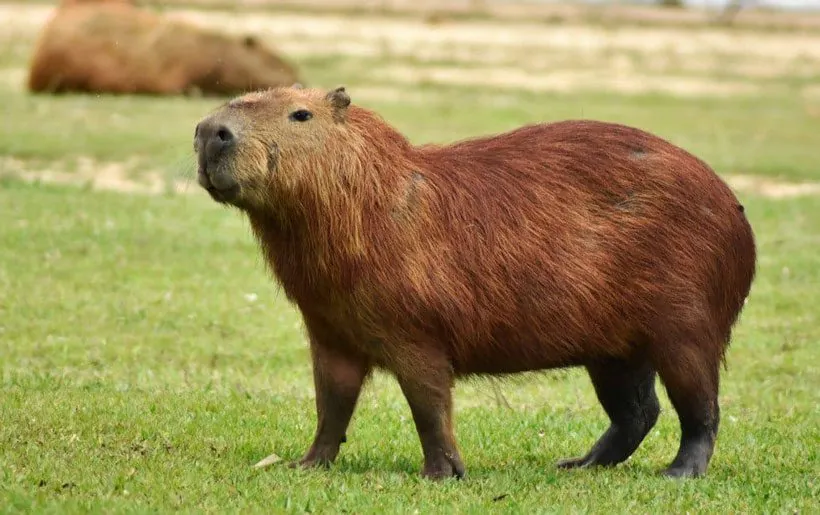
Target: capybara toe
573 463
683 471
443 469
309 463
439 474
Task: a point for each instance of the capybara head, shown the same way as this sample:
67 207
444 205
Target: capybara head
255 146
241 64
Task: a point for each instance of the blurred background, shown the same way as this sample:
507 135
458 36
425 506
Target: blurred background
530 60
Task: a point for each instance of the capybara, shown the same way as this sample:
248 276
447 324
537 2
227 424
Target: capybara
576 243
111 46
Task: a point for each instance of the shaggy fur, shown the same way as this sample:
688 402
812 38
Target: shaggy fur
577 243
111 46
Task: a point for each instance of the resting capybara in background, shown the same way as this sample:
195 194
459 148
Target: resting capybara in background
111 46
577 243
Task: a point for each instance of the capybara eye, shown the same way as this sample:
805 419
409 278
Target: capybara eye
302 115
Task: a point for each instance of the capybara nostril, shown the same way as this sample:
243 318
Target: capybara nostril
212 139
224 134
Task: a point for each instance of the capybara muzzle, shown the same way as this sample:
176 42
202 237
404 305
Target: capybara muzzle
213 143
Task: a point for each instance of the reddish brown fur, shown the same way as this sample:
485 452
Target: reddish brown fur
577 243
111 46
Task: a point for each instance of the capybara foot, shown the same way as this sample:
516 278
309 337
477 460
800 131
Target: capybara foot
693 467
443 467
692 459
317 457
573 463
684 471
308 463
615 446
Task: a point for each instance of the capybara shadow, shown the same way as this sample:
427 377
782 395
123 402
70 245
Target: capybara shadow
577 243
114 47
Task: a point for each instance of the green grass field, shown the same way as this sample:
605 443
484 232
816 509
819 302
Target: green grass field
147 360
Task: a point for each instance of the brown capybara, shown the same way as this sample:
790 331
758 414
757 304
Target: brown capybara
111 46
577 243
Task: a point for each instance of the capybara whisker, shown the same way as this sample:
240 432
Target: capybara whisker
575 243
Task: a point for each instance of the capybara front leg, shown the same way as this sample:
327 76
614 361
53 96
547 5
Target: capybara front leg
338 377
429 395
626 390
691 380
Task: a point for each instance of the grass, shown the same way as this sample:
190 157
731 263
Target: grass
147 360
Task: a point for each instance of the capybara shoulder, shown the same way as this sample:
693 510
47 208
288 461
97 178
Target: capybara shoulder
574 243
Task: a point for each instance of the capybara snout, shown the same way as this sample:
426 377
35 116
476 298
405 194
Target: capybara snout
574 243
213 143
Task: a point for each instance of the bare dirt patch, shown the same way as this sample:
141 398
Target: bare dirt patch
23 19
566 81
13 78
771 188
96 175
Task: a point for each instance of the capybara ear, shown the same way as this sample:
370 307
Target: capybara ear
339 99
250 41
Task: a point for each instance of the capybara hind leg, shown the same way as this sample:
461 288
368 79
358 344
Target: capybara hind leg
338 377
690 376
626 390
429 394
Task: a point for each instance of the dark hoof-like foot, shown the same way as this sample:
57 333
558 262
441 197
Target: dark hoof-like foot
619 441
615 446
692 459
443 468
686 470
575 463
317 457
306 463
